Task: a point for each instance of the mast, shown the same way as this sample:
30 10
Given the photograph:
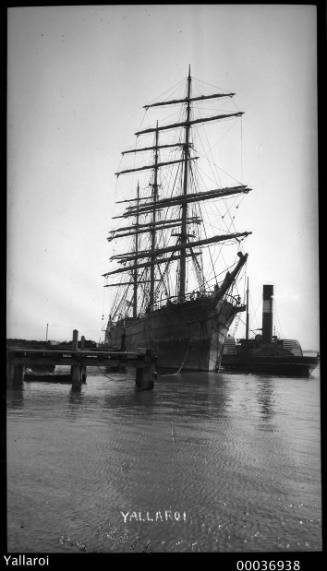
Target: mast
183 236
136 252
153 228
183 249
247 311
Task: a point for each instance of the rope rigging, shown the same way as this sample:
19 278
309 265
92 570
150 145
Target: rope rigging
171 182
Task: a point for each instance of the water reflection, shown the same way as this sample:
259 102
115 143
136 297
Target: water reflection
15 397
202 394
130 401
232 451
75 400
265 398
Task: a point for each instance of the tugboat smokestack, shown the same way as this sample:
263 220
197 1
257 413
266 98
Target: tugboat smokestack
267 313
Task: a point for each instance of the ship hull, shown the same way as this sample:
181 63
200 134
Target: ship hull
188 336
286 366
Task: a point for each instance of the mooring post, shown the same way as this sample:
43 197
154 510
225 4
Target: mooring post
75 340
145 372
15 373
83 368
75 369
76 377
83 374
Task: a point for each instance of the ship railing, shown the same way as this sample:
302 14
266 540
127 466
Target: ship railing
235 300
190 296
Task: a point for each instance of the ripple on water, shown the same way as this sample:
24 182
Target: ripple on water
239 454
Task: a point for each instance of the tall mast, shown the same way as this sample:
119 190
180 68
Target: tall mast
154 210
183 236
140 206
247 323
136 252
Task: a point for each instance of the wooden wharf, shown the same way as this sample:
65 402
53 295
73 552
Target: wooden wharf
79 358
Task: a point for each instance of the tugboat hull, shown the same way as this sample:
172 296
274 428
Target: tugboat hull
285 365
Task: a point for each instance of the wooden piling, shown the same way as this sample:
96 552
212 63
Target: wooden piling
76 369
83 374
76 377
15 374
145 373
75 340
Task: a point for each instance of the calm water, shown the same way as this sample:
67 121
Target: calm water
239 454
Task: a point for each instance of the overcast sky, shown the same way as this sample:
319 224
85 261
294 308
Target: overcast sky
78 77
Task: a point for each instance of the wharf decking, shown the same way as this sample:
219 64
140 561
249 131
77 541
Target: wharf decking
20 357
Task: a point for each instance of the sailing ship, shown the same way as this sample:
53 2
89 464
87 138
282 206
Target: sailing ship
172 297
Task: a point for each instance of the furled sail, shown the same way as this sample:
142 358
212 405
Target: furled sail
169 221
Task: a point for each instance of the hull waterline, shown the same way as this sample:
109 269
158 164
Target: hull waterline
190 335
